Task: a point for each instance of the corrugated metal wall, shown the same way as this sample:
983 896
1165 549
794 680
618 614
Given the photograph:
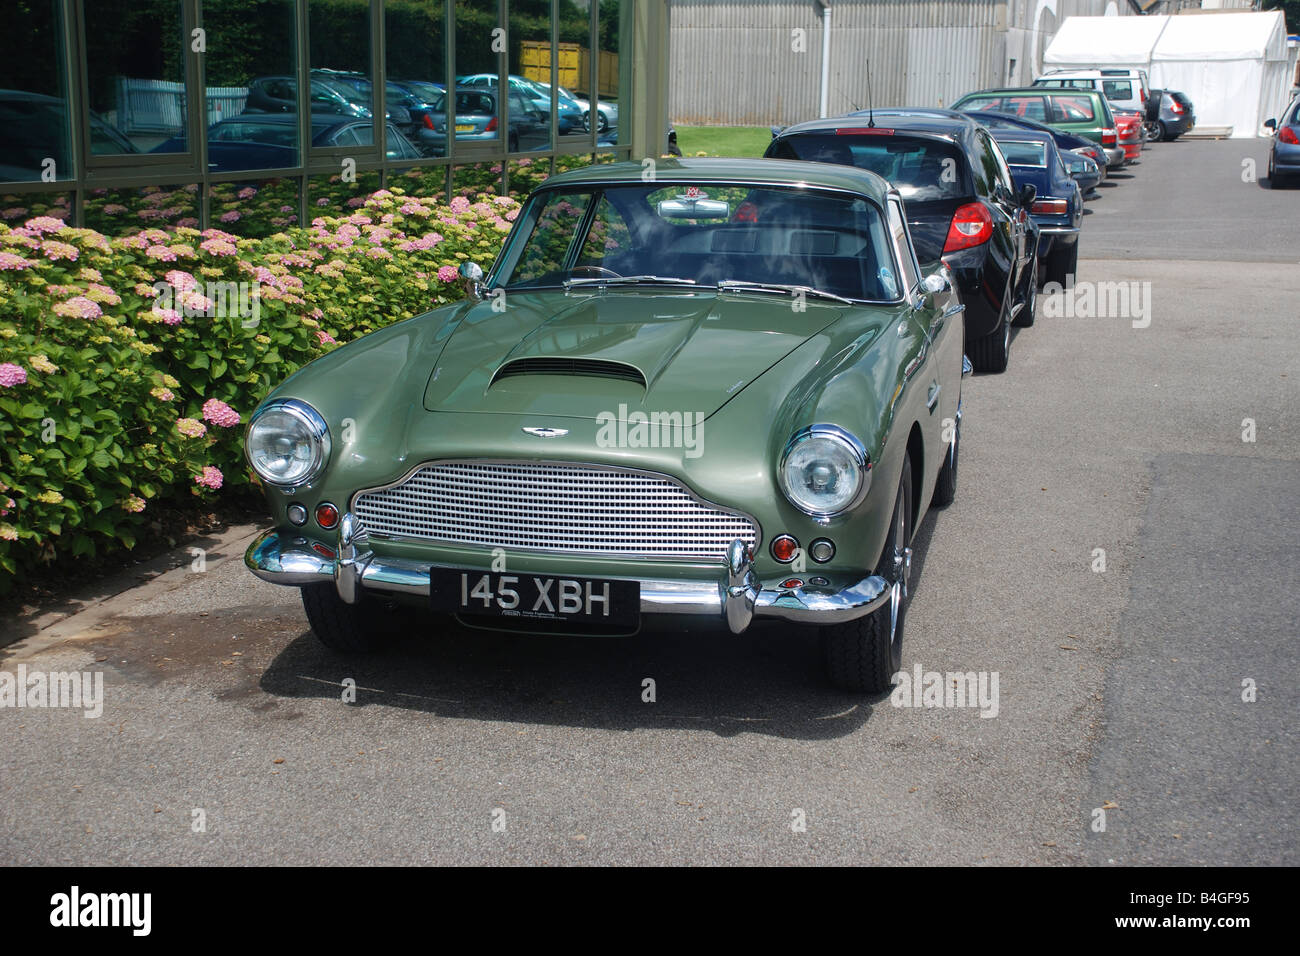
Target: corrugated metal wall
746 63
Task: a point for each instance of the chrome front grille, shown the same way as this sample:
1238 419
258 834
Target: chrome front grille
553 507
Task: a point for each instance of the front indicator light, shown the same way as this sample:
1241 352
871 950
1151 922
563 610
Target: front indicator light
784 548
327 516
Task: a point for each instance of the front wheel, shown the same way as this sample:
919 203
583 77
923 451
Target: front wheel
863 656
350 628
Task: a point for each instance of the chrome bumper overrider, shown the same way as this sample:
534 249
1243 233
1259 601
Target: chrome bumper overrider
737 597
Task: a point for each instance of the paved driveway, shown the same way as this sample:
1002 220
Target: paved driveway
1118 690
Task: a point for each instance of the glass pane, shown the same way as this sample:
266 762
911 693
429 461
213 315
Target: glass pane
118 212
531 95
417 71
136 75
254 209
573 65
477 112
527 174
339 37
334 196
16 209
478 179
612 70
34 141
251 94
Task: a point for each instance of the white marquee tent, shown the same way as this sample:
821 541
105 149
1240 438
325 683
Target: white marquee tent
1232 65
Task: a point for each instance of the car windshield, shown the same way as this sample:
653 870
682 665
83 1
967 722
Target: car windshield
1020 153
921 169
681 235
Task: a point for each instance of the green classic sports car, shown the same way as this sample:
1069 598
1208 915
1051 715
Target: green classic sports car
716 388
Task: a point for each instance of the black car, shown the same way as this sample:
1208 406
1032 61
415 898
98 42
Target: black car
1058 201
279 94
34 126
267 140
962 207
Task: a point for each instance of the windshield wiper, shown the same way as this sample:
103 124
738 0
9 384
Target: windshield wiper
738 285
624 280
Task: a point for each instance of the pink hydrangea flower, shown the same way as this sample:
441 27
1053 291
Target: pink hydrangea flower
168 316
45 224
219 413
324 337
79 307
161 253
191 427
133 504
448 273
54 251
41 363
218 247
232 216
11 375
181 280
113 209
248 192
12 261
162 394
459 204
210 478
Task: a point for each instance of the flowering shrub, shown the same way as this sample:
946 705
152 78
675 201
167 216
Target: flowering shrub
124 381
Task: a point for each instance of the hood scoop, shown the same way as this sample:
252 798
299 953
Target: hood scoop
592 368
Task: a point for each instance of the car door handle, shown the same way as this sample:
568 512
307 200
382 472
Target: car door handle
932 398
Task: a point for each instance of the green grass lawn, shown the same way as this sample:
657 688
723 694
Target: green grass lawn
723 140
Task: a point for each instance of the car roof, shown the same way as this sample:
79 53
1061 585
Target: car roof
1022 135
1031 91
775 172
942 123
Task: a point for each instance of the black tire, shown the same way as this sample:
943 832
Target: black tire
1275 180
350 628
1062 263
1025 317
1155 130
1164 132
992 352
945 489
602 122
863 656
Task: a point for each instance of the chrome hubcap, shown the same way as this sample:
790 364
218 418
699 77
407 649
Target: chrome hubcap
902 572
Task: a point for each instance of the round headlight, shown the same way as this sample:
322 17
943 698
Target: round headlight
824 471
288 443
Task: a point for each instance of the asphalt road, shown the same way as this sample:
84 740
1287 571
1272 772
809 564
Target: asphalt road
1119 690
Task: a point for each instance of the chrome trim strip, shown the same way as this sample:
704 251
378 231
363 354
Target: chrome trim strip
1059 230
737 599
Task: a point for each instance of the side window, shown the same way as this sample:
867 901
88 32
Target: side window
1118 89
609 236
995 167
1003 172
911 273
557 223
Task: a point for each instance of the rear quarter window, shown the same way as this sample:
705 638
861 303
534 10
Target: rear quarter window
922 169
1118 89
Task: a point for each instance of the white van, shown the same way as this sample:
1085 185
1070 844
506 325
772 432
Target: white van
1126 88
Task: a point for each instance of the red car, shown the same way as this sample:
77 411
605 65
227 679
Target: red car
1129 126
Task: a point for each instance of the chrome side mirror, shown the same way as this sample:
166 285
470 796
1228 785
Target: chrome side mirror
935 282
472 275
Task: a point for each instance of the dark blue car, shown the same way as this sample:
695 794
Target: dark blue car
1057 208
268 140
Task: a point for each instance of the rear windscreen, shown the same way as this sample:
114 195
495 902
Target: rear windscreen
1024 153
921 169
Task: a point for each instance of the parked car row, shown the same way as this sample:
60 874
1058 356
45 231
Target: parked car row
995 187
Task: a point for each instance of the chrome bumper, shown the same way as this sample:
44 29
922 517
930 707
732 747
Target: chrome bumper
736 598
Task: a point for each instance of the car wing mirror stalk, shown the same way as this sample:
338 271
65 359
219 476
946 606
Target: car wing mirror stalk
471 274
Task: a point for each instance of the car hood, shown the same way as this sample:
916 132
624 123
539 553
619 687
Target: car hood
616 352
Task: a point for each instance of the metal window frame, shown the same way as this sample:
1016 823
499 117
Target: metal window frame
182 169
